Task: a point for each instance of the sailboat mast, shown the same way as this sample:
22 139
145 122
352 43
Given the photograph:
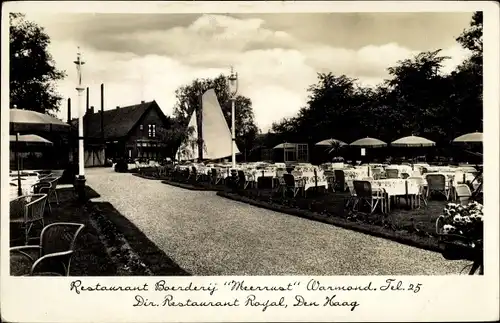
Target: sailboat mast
200 128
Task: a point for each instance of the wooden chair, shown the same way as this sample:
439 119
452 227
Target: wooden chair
463 193
52 256
290 185
392 173
371 197
27 211
437 184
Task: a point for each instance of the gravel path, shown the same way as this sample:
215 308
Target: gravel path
210 235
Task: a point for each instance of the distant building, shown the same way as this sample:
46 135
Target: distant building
124 132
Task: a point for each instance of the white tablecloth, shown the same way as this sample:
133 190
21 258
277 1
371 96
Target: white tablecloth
394 186
308 180
27 183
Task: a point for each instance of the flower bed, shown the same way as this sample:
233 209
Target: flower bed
460 229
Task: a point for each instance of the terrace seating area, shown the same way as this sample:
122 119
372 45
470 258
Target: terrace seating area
38 249
382 186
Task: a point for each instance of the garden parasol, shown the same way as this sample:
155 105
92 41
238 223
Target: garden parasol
369 143
469 138
23 120
413 141
330 142
473 138
30 140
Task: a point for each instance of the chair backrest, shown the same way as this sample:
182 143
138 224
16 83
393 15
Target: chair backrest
59 237
339 176
289 180
193 170
463 190
34 210
213 171
436 181
241 176
424 170
392 173
363 188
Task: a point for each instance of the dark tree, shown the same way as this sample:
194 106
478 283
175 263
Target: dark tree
32 70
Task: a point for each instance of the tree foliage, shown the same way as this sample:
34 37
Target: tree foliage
32 70
416 99
189 98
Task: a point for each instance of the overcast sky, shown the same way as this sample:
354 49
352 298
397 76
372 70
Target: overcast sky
148 56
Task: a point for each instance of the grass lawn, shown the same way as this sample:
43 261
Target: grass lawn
419 221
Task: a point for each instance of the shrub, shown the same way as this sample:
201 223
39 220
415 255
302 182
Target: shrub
121 166
69 174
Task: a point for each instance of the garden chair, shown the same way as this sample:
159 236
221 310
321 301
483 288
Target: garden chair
377 173
423 191
340 180
392 173
437 184
47 186
242 179
215 177
52 256
27 211
290 185
463 193
370 197
353 198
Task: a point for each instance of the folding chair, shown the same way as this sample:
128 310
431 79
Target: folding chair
423 192
370 197
353 198
290 185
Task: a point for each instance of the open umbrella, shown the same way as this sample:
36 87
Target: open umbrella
369 143
413 141
30 140
330 142
23 120
469 138
284 145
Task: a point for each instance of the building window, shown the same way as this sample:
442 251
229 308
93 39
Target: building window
152 130
141 127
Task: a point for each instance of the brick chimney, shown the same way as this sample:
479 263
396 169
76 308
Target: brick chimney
102 112
69 110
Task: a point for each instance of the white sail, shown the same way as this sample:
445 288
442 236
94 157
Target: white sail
189 148
216 133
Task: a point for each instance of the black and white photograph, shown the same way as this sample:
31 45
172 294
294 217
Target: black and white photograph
245 144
